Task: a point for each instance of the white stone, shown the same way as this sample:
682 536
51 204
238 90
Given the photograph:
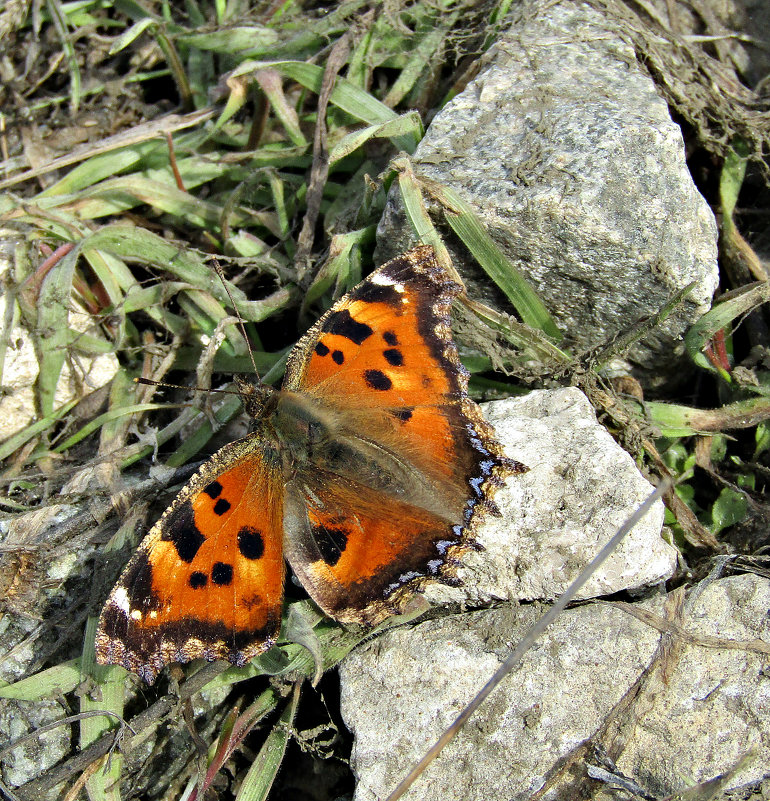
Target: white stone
580 488
693 718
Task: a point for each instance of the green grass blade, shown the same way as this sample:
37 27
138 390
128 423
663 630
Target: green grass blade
337 267
517 289
13 443
271 84
95 169
121 194
52 334
345 95
731 179
146 298
407 125
130 34
207 312
531 342
59 19
415 210
137 244
98 422
103 783
467 226
676 420
50 683
420 60
264 769
728 309
242 41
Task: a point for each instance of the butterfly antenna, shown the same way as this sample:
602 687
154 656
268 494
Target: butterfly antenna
241 323
150 382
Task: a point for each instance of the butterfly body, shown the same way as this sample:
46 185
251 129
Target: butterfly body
368 472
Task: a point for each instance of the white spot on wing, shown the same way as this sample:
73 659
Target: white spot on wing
120 599
382 279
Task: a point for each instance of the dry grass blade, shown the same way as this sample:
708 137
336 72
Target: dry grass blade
668 627
319 172
142 133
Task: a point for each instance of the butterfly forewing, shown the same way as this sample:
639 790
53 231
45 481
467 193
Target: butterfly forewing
384 345
207 581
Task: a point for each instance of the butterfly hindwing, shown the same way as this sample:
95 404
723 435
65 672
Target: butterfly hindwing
207 581
359 556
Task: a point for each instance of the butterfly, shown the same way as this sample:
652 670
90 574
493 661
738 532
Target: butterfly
368 472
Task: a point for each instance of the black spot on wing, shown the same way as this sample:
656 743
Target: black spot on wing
321 349
331 543
390 338
394 357
221 506
370 292
338 357
343 324
222 574
402 414
198 580
250 543
214 490
180 529
138 584
376 379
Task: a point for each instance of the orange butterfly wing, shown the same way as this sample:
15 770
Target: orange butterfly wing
207 580
384 361
371 469
359 556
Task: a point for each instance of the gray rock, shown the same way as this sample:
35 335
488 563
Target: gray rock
568 155
713 708
688 722
33 756
580 488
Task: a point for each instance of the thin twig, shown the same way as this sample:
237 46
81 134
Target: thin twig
319 171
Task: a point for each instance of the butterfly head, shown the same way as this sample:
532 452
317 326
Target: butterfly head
258 399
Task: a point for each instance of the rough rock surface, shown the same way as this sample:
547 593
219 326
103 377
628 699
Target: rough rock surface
581 486
680 712
570 158
33 756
